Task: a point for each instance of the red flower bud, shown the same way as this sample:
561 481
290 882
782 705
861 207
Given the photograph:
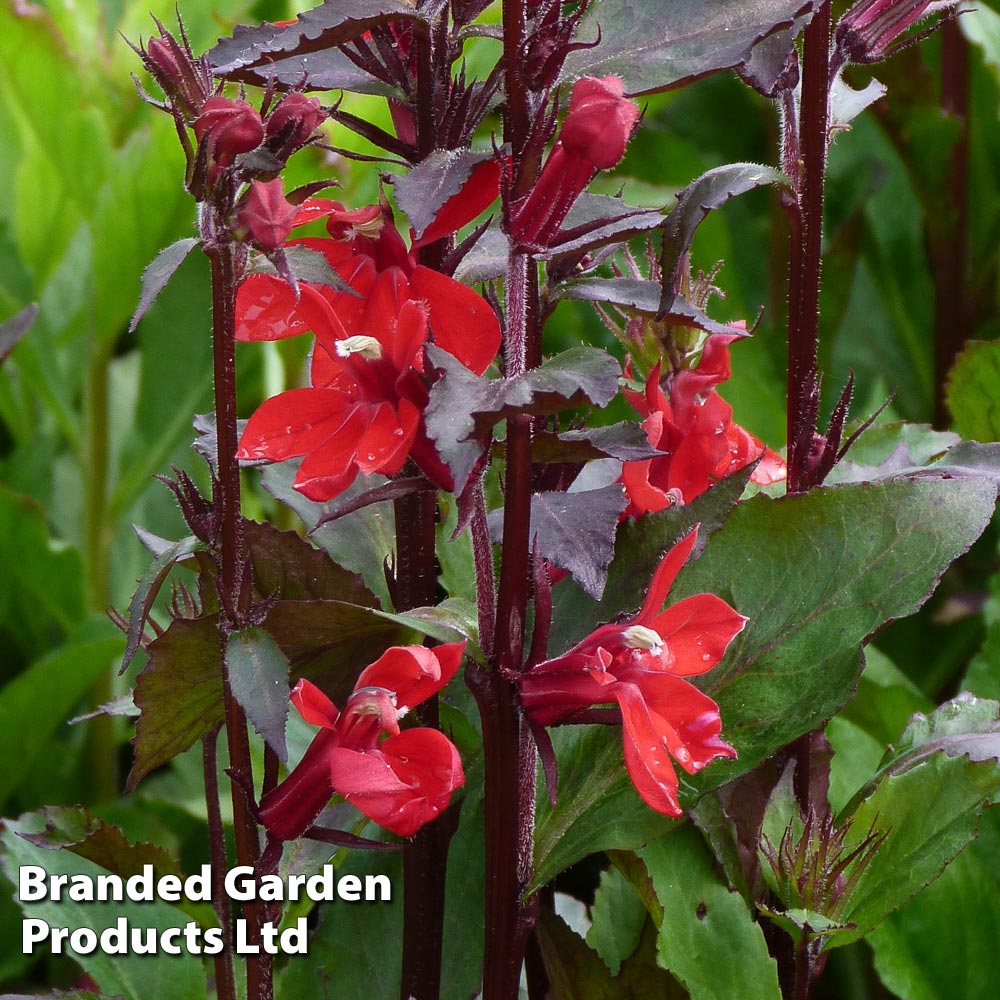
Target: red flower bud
600 121
229 127
866 33
267 214
185 80
292 122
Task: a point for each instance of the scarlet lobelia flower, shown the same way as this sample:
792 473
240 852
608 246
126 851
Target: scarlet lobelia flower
401 782
641 664
694 427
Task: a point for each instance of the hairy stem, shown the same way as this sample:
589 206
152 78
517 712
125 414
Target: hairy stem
227 263
225 983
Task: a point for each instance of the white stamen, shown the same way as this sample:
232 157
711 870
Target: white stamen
368 347
641 637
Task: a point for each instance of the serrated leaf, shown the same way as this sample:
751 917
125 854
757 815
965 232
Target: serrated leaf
642 296
423 190
133 976
453 620
654 46
596 220
158 273
258 677
710 191
575 531
625 441
973 389
817 575
13 329
701 918
767 69
323 27
617 918
928 800
464 407
74 829
149 586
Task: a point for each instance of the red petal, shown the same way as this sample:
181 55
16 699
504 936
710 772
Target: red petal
290 809
313 705
294 423
403 784
646 755
463 322
697 631
330 469
663 578
413 672
265 309
386 441
476 195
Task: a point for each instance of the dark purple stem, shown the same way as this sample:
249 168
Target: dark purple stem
225 984
226 262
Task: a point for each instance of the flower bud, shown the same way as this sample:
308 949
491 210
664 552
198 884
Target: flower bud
290 125
185 80
267 214
229 128
866 32
600 121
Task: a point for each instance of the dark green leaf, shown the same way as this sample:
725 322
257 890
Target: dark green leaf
463 407
136 977
710 191
703 922
90 837
597 220
149 586
654 46
453 620
156 276
178 693
258 676
625 441
13 329
817 575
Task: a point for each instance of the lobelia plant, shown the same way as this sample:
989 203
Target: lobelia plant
482 557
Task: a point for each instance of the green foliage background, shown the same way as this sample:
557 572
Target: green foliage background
91 189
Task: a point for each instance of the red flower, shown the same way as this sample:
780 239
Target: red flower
268 214
695 429
593 137
402 782
639 664
363 412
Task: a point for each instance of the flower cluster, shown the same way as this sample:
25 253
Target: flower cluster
640 665
694 428
401 782
363 411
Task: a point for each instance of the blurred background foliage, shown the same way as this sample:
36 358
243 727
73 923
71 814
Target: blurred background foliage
90 413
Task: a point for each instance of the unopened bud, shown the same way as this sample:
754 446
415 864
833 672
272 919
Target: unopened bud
368 347
290 125
229 127
185 80
600 121
267 214
867 31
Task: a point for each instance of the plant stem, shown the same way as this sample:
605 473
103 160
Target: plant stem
806 246
225 983
227 263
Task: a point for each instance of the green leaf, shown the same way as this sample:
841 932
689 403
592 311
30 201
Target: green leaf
705 924
453 620
136 977
943 942
597 808
258 677
617 919
37 702
710 191
158 273
303 264
360 542
816 575
928 798
655 46
178 693
973 389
